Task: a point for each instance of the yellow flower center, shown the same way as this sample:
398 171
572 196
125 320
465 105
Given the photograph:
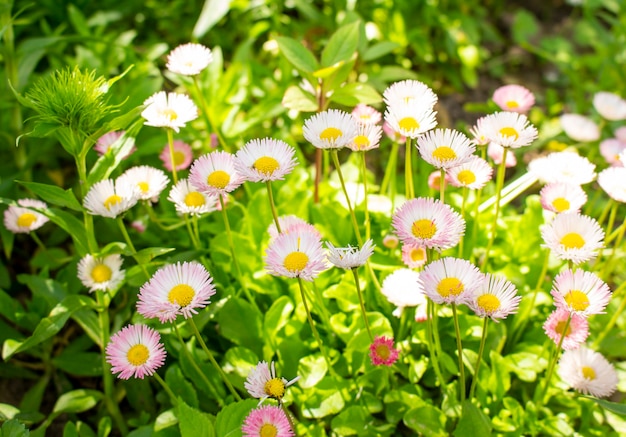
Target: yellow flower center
512 104
365 117
408 124
218 179
26 220
138 355
489 303
143 186
266 165
424 228
268 430
450 286
330 134
194 199
444 153
577 300
418 254
560 327
112 200
181 294
170 113
296 261
589 373
466 177
560 204
361 141
101 273
382 351
275 388
509 132
572 241
179 158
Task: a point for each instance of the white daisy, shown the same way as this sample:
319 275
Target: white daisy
189 59
495 298
580 128
149 181
101 273
588 372
408 93
23 219
411 120
110 199
349 257
613 181
508 129
561 197
573 237
445 148
332 129
404 288
188 200
169 110
473 173
367 138
215 173
610 106
566 167
450 280
265 160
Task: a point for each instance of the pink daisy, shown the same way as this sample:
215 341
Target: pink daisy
580 292
265 421
215 173
580 128
434 180
105 142
390 241
473 173
514 98
135 351
365 114
577 331
392 134
183 156
451 280
296 255
414 256
174 290
291 223
22 219
495 298
266 159
588 372
562 197
496 152
610 149
382 351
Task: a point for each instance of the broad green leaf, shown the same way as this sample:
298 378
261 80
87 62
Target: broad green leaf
54 195
298 55
312 369
342 45
89 322
228 421
71 225
79 363
48 326
8 411
325 399
13 428
241 323
354 93
146 255
378 50
278 315
31 402
242 360
354 420
613 407
70 430
212 12
426 420
105 427
524 27
193 422
472 422
77 401
164 420
297 99
180 386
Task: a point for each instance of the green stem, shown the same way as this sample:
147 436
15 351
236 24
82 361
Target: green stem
605 211
270 195
459 347
494 230
167 389
289 418
389 180
367 213
191 233
207 118
129 242
409 190
481 349
607 268
170 142
81 166
544 396
614 318
318 175
234 256
335 158
107 376
433 351
363 312
442 185
212 360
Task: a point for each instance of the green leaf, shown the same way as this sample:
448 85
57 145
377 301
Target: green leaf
524 27
31 402
79 363
146 255
180 386
354 93
472 422
379 49
108 162
277 316
77 401
54 195
312 369
426 420
299 100
354 420
212 12
342 45
48 326
613 407
241 323
71 225
13 428
228 421
70 430
8 411
164 420
88 320
193 422
298 55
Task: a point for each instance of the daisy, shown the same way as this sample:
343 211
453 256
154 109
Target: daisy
588 372
610 106
580 292
403 288
573 237
349 257
495 298
496 152
562 197
189 59
577 330
22 219
382 351
414 256
394 136
292 223
105 142
427 222
367 138
169 110
149 181
478 132
568 167
262 382
620 134
295 255
445 148
390 241
434 180
450 280
409 92
110 199
183 156
135 351
215 173
265 160
580 128
174 290
514 98
188 200
101 273
364 114
610 150
473 173
613 181
411 120
268 420
508 129
332 129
